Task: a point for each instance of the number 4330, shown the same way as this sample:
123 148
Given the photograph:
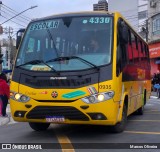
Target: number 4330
99 20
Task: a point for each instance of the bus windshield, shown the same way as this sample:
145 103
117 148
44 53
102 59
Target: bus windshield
88 38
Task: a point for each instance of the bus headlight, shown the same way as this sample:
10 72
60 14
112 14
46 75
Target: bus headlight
100 97
91 99
95 98
19 97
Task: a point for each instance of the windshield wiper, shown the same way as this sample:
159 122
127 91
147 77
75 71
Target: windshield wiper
37 62
73 57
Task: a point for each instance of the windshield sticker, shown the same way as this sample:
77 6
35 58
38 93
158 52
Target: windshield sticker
97 20
40 68
73 94
31 45
44 25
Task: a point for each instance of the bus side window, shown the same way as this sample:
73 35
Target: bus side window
148 58
141 51
135 51
145 56
133 43
122 42
129 49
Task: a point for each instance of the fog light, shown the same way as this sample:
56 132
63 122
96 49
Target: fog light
100 97
99 117
19 114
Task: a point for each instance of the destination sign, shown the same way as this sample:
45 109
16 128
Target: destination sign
44 25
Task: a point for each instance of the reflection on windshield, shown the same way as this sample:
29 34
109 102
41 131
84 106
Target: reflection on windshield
87 38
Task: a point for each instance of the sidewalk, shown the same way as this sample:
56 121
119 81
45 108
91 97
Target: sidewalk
154 95
6 120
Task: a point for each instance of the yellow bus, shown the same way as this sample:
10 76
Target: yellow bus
59 76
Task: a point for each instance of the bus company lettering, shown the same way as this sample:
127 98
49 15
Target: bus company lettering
58 78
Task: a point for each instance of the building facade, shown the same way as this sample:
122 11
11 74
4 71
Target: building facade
142 18
154 34
8 50
101 6
128 8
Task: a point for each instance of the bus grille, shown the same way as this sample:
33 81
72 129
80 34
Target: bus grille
57 83
71 113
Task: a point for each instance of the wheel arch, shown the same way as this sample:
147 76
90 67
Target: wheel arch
122 103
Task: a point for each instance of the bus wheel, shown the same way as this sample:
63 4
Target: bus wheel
39 126
120 126
140 111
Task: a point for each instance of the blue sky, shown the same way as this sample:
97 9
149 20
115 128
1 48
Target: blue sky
45 8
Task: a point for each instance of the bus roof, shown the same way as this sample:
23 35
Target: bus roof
75 14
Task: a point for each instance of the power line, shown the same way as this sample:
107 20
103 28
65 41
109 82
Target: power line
15 12
32 7
18 17
13 21
6 9
14 18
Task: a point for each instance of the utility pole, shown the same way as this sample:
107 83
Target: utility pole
1 31
10 47
1 59
145 30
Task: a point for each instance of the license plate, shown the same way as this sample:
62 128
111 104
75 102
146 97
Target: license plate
55 119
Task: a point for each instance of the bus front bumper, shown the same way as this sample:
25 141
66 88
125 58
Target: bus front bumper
66 113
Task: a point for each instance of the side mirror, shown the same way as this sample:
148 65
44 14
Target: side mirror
19 37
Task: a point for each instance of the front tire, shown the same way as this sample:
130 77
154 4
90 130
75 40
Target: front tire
120 126
39 126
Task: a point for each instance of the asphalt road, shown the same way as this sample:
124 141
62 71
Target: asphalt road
140 130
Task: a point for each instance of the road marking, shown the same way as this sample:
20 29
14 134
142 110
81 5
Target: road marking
151 113
151 110
148 104
146 120
65 143
155 102
141 132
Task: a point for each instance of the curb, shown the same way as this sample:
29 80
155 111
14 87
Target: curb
4 121
153 97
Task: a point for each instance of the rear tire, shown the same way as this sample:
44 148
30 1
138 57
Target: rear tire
39 126
120 126
140 111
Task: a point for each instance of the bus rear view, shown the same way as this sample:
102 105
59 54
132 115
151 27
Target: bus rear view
65 72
